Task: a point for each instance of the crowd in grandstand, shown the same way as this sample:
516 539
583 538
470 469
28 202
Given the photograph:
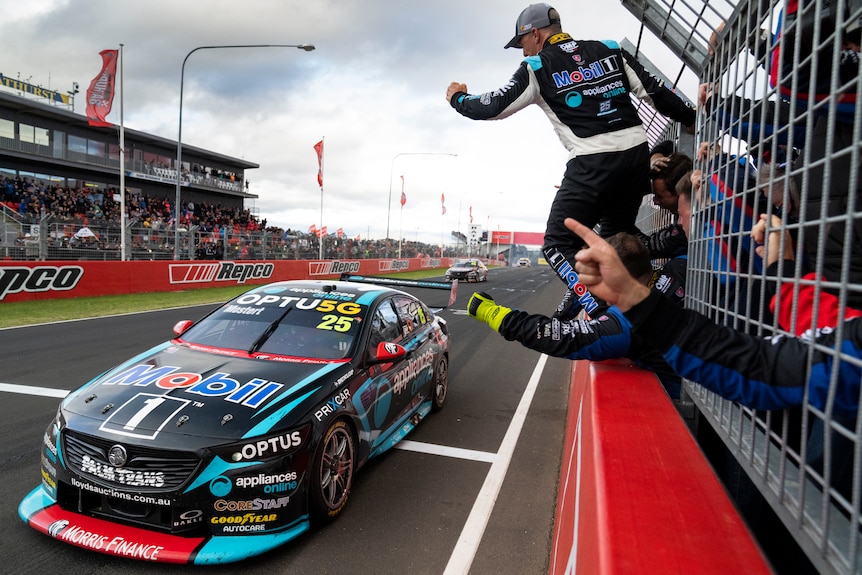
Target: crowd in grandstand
249 237
32 199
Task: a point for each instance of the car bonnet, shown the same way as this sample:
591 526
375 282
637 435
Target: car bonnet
172 391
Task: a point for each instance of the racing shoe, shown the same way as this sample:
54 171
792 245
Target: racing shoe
482 307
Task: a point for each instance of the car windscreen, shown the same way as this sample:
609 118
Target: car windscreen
284 325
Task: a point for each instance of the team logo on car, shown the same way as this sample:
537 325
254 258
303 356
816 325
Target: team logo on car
57 527
117 456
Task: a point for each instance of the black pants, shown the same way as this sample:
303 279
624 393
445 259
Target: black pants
604 189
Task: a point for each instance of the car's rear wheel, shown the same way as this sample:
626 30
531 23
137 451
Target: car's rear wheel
441 384
332 473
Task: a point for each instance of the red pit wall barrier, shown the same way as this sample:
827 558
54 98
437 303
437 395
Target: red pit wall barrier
636 494
27 281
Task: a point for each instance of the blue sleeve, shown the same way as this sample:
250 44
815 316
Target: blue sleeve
761 373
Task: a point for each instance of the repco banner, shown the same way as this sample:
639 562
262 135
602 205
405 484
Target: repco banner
27 281
329 267
17 279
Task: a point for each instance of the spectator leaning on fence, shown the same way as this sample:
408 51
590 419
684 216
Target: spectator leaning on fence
756 372
802 61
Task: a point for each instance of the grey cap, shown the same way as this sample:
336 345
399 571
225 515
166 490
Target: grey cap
533 16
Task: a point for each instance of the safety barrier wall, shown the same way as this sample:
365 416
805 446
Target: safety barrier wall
25 281
636 494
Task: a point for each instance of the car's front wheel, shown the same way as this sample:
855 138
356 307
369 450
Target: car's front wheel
441 384
332 471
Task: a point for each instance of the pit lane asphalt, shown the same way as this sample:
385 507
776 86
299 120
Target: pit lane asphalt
408 508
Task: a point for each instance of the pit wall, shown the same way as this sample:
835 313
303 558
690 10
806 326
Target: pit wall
636 494
27 281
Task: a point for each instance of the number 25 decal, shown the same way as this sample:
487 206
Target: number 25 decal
333 322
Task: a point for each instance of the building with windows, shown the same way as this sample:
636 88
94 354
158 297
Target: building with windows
53 144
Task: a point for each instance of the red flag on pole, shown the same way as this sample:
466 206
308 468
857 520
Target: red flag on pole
403 195
443 203
318 147
100 94
471 214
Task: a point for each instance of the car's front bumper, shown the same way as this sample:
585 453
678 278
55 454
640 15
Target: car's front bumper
40 511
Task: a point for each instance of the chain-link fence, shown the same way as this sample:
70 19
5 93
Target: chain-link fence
779 135
50 238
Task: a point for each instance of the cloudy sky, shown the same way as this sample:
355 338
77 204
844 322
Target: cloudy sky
374 90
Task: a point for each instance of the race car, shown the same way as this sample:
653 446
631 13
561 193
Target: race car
246 428
468 270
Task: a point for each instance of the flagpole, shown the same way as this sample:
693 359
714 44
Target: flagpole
322 236
442 221
401 219
122 168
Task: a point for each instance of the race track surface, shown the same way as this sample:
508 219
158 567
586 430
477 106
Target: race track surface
473 488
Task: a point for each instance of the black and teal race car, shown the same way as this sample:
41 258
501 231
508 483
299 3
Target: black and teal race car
246 428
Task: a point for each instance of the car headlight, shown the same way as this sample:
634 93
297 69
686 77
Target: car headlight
264 448
51 453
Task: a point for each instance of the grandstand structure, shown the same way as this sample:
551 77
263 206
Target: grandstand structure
54 146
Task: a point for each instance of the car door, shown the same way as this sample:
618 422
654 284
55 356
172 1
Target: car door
385 327
394 385
421 346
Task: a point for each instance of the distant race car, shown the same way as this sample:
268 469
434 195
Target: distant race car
468 270
247 427
524 263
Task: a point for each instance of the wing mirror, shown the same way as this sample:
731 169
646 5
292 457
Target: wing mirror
182 326
387 351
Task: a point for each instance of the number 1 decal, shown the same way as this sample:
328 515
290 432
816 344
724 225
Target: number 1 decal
143 416
149 405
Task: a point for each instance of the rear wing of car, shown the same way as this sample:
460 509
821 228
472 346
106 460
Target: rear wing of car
402 282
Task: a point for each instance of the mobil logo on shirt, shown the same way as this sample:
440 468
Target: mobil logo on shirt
588 72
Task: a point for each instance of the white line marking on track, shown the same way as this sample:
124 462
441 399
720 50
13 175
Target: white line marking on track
468 542
32 390
434 449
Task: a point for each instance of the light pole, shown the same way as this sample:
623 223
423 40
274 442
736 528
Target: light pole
391 173
179 165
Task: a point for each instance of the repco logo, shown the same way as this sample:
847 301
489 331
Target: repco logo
38 279
394 265
242 272
332 267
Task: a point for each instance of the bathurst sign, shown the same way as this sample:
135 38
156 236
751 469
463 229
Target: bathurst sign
28 281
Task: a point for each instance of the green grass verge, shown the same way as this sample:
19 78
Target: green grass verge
14 314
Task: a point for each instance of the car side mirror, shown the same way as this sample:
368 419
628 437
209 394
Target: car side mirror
387 351
182 326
